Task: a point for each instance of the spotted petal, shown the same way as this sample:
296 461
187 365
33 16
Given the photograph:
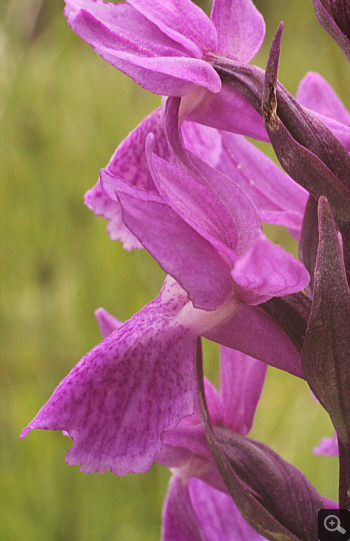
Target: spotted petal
128 163
122 396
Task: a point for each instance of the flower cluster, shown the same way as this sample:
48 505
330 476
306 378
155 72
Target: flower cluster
187 186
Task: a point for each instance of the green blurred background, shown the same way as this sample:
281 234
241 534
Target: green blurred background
63 111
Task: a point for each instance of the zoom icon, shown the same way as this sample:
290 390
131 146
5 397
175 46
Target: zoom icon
334 525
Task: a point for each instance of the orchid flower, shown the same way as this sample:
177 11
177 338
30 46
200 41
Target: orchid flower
197 505
277 197
167 47
189 510
136 385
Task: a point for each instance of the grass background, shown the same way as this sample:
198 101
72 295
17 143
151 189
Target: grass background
63 111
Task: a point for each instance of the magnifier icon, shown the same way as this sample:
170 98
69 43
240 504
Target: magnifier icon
332 524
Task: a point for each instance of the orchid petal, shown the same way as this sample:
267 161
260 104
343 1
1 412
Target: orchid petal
129 160
107 323
319 97
254 321
182 21
267 270
123 395
228 110
316 94
241 381
203 141
243 212
196 204
340 130
177 247
240 220
195 511
186 444
240 28
128 163
189 433
102 205
278 198
218 514
130 42
119 26
171 456
179 521
185 436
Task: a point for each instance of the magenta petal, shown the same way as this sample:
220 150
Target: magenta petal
253 322
182 21
197 205
241 381
130 42
189 435
267 270
178 248
194 511
204 196
97 201
129 160
106 322
122 396
218 514
228 110
119 28
185 436
167 76
328 446
203 141
179 521
173 457
128 163
240 28
315 93
278 198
